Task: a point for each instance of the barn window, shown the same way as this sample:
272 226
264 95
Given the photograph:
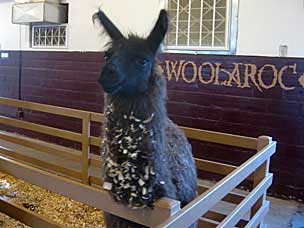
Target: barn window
202 25
49 36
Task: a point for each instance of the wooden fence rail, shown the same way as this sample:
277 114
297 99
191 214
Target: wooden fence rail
167 212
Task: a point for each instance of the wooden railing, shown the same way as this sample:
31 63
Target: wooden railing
167 212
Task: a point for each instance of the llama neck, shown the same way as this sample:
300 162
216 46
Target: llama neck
135 139
141 107
138 118
147 110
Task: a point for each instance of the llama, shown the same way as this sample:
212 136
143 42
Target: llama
146 156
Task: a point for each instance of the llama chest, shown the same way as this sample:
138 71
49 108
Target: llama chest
129 170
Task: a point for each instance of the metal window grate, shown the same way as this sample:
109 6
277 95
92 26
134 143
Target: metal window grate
49 36
198 24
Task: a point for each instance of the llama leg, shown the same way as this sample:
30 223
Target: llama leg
113 221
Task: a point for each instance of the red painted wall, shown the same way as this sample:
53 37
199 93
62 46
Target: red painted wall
69 79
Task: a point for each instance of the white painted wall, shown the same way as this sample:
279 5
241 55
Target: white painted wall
263 25
128 15
9 33
266 24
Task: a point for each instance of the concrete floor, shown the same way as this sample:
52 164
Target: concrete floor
282 214
285 214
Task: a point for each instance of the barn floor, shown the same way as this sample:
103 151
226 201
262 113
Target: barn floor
283 213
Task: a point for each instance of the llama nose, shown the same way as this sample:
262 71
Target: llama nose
110 69
109 75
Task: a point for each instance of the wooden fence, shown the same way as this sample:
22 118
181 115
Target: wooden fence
167 212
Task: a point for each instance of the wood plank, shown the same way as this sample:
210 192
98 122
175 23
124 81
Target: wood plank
206 201
95 181
221 138
215 216
231 197
42 164
95 161
96 141
218 217
236 215
40 146
100 199
97 117
214 167
259 216
26 216
43 107
204 223
85 148
41 128
260 173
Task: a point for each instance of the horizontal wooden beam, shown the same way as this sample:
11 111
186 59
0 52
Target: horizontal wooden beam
41 164
40 146
97 117
214 167
206 223
95 141
95 181
100 199
26 216
43 107
221 138
41 129
218 217
95 160
231 197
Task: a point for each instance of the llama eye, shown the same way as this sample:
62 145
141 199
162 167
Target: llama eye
142 62
107 56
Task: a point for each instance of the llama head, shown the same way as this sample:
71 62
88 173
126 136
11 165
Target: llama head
130 60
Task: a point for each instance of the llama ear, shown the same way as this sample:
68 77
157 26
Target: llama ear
159 31
110 28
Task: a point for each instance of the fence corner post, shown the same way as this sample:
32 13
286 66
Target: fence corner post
260 173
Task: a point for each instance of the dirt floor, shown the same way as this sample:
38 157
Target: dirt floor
50 205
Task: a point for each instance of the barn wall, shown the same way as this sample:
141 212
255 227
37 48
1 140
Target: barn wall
250 96
262 25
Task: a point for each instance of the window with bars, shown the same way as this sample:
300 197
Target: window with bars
200 25
49 36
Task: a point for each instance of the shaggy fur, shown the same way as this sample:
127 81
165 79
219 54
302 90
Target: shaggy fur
146 156
168 151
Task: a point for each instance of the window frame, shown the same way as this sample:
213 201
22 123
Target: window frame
49 47
231 36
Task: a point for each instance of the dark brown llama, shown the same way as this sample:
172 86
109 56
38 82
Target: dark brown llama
146 156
